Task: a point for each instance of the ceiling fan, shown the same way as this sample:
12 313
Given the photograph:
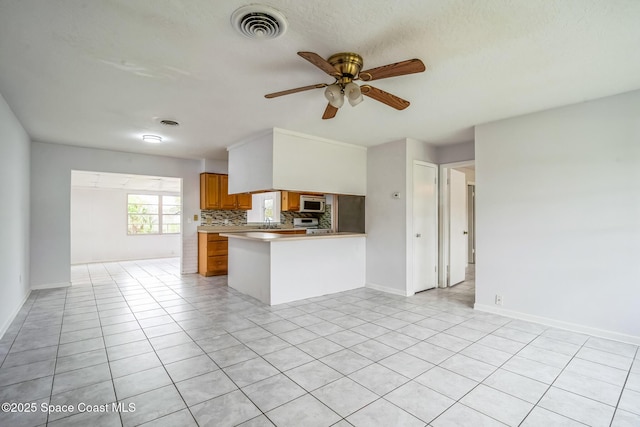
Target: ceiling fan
346 67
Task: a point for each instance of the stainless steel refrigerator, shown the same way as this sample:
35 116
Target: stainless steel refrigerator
350 214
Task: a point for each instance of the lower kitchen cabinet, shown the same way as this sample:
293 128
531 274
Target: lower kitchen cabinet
212 254
213 251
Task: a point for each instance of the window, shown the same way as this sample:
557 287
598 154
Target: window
153 214
266 207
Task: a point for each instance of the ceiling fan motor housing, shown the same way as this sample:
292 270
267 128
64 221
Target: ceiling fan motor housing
348 65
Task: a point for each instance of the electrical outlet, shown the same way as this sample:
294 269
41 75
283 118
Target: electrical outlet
498 299
195 217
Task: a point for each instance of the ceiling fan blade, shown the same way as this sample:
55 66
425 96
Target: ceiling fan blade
409 66
296 90
384 97
329 112
320 62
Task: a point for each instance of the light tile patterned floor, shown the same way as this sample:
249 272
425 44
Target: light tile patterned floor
187 350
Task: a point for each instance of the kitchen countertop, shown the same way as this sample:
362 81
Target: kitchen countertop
265 236
239 228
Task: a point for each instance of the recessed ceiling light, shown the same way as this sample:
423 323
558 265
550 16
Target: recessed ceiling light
154 139
167 122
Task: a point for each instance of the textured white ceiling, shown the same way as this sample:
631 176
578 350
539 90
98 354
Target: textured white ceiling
102 73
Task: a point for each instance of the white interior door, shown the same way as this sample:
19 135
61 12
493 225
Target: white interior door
425 226
457 226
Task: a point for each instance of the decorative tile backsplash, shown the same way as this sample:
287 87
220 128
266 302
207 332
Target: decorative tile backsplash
239 217
220 217
325 219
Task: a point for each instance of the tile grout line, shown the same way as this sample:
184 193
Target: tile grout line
549 388
443 305
55 365
113 385
633 362
156 354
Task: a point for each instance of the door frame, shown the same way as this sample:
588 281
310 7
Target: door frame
443 252
410 229
471 219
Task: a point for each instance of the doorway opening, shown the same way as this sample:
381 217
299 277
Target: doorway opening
457 227
124 217
424 229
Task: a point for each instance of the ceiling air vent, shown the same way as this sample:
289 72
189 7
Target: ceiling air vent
259 22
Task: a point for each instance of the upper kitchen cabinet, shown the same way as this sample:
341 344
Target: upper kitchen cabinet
285 160
209 191
244 201
289 201
227 201
214 193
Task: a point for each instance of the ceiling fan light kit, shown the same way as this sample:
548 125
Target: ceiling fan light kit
346 67
334 95
353 93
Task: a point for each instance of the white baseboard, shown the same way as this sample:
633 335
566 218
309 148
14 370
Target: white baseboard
50 286
574 327
9 321
386 289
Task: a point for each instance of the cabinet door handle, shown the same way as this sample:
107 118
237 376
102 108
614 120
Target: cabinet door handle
418 235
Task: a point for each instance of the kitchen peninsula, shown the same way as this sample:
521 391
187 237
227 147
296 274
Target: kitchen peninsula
279 268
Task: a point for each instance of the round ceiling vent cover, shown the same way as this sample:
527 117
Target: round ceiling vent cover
260 22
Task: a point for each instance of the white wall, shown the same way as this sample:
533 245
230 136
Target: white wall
470 174
385 217
389 221
251 165
285 160
307 163
14 216
455 152
215 166
99 229
51 166
558 216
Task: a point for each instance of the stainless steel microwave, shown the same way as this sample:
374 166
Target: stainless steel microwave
312 203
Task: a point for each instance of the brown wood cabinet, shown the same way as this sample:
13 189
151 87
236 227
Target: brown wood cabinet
244 201
289 201
212 254
209 191
213 251
214 193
